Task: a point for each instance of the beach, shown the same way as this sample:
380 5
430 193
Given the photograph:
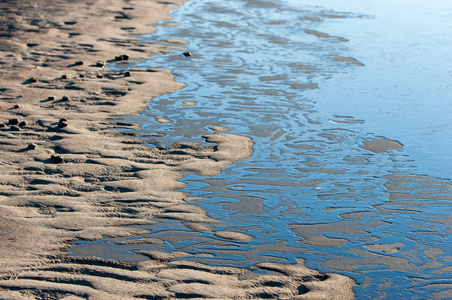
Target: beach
71 169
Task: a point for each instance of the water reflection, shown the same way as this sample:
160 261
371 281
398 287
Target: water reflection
312 189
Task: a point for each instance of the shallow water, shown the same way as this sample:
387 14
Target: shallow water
311 84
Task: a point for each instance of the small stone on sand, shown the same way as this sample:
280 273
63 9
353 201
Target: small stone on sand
122 57
15 128
13 121
58 159
63 123
32 146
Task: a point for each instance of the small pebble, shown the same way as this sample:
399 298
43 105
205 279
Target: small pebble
100 63
33 79
15 128
122 57
51 98
32 146
82 76
186 54
2 125
66 98
57 159
23 124
79 63
99 76
16 106
127 74
63 123
13 121
64 76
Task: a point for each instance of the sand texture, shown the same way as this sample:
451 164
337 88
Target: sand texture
68 174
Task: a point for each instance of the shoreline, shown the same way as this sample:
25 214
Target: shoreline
68 174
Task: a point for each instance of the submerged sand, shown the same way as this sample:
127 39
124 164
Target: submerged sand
68 174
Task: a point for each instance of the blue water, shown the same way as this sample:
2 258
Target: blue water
405 90
310 84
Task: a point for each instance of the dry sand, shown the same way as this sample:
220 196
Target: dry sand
66 174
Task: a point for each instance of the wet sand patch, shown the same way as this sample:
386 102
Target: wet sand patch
349 60
162 119
324 35
188 103
219 128
385 248
381 145
233 235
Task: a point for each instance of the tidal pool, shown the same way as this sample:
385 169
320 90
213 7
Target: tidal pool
349 108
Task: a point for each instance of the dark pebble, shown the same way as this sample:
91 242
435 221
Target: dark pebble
33 79
15 128
66 98
57 159
51 98
122 57
13 121
82 76
63 123
186 54
16 106
23 124
2 125
127 74
32 146
100 63
63 76
99 76
79 63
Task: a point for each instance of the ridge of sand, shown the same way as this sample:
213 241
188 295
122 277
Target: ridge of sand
66 175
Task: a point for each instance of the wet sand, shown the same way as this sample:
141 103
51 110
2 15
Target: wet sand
68 174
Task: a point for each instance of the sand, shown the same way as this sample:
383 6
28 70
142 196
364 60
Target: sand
67 173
